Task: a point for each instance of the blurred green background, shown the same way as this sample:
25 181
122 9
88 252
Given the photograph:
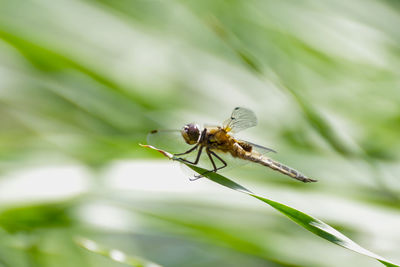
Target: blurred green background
83 82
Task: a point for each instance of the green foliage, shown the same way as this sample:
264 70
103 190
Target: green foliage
30 218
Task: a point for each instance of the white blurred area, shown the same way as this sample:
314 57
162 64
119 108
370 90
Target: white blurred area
43 184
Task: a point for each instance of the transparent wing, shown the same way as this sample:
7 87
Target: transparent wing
260 149
168 140
241 119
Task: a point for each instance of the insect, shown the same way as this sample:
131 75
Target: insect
216 139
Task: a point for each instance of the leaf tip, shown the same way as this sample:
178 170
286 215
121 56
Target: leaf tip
165 153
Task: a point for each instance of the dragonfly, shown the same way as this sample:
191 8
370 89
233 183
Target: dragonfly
218 140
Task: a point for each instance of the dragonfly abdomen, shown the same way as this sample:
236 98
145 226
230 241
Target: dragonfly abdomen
286 170
277 166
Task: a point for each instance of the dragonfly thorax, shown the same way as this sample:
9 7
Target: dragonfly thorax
191 133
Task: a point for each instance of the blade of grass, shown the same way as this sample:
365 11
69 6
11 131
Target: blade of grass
113 254
308 222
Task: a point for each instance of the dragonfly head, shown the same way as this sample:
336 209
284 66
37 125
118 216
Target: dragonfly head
191 133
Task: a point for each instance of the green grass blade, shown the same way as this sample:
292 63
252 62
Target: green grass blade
310 223
321 229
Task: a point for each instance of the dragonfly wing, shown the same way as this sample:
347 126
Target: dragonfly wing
168 140
260 149
241 119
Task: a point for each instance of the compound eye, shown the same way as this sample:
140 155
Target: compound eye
192 128
191 133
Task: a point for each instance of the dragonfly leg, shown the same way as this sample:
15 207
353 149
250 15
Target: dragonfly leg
218 157
211 159
210 154
197 157
187 152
